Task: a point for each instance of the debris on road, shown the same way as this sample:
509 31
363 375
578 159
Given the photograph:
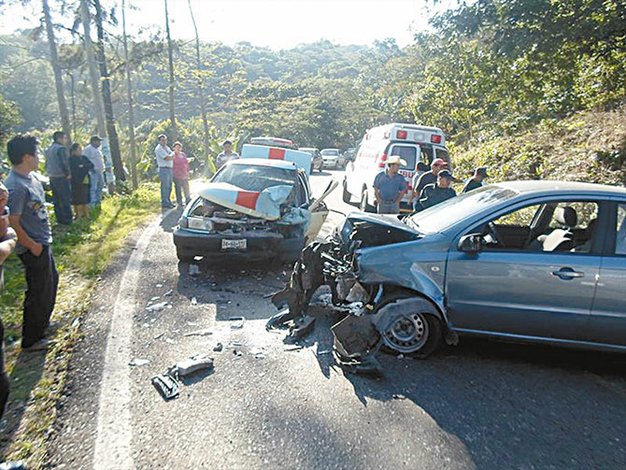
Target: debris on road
293 347
258 353
158 307
136 362
236 322
194 270
193 364
168 293
194 301
167 385
218 347
154 299
204 332
159 286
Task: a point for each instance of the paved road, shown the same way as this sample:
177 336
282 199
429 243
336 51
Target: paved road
480 405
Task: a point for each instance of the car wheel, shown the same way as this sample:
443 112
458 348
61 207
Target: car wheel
346 196
365 205
413 328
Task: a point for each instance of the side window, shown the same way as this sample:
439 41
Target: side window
620 242
585 213
427 155
520 218
443 154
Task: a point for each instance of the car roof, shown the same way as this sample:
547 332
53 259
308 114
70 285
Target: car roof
562 187
264 162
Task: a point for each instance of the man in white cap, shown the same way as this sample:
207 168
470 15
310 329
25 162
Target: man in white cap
390 186
430 177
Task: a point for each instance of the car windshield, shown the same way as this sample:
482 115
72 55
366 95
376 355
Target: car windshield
255 177
330 152
441 216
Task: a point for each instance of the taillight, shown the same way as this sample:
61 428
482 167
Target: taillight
382 160
401 135
435 139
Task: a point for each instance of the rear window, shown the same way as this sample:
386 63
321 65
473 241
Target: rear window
407 153
330 152
255 178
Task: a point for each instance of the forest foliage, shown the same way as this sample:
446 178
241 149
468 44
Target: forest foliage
488 69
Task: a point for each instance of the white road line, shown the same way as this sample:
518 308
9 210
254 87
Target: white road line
114 432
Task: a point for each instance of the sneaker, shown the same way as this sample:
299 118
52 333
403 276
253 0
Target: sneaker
40 345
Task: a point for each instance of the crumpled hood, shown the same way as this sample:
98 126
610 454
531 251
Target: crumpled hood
390 221
264 205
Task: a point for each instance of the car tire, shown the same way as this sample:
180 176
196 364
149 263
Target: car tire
417 332
346 196
365 205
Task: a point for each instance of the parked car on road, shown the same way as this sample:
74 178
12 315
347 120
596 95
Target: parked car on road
527 261
254 208
331 158
317 162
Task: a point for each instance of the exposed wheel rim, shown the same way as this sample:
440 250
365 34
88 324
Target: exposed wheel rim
407 333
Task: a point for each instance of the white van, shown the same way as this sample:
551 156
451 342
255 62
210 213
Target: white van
412 142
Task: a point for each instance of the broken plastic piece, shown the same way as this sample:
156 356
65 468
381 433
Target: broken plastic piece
237 322
167 385
194 364
136 362
157 307
205 332
218 347
194 301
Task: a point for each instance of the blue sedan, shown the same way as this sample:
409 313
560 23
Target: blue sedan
528 261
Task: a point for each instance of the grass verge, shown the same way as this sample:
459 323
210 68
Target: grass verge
82 252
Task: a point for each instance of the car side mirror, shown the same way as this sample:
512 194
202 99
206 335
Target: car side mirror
472 243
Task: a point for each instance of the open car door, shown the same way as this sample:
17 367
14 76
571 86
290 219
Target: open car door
319 212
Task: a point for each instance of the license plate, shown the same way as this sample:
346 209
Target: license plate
234 244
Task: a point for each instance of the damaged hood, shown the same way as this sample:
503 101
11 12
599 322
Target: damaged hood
388 221
263 205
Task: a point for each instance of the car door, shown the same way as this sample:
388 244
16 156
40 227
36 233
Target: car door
319 210
520 291
607 323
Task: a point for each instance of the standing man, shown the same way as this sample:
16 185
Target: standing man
390 186
7 245
429 177
165 162
58 168
96 175
227 155
433 194
477 180
29 218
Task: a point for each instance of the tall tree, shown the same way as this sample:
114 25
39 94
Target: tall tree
94 78
170 60
114 143
56 68
200 88
131 112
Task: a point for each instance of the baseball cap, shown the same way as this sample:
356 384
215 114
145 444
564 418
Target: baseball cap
95 137
439 162
482 171
446 174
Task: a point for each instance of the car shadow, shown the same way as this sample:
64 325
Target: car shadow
510 404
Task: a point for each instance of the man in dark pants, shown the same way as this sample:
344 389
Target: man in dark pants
58 169
29 218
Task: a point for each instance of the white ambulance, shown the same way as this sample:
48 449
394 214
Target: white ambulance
412 142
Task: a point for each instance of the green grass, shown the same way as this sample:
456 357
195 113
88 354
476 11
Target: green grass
82 252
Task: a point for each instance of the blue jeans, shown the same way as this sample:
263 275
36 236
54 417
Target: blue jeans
62 199
388 207
166 175
96 185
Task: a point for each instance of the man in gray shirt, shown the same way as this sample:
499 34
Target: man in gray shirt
58 168
29 218
96 176
227 155
165 161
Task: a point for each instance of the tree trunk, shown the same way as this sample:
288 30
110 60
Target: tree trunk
129 94
118 167
200 89
93 71
56 68
170 59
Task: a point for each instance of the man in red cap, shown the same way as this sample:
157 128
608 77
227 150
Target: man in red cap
430 177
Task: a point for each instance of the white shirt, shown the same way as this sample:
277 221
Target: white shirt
160 153
95 156
222 158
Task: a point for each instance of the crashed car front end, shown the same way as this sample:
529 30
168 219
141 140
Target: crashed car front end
367 263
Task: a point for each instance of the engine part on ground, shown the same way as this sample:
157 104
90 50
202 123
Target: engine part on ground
167 385
193 364
355 344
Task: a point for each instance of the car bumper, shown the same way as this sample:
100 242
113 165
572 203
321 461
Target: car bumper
258 245
330 163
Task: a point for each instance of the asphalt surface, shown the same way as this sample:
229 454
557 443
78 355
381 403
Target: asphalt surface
268 405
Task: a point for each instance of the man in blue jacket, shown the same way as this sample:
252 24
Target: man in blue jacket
58 169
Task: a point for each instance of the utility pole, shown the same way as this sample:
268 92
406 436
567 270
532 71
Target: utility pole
129 94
